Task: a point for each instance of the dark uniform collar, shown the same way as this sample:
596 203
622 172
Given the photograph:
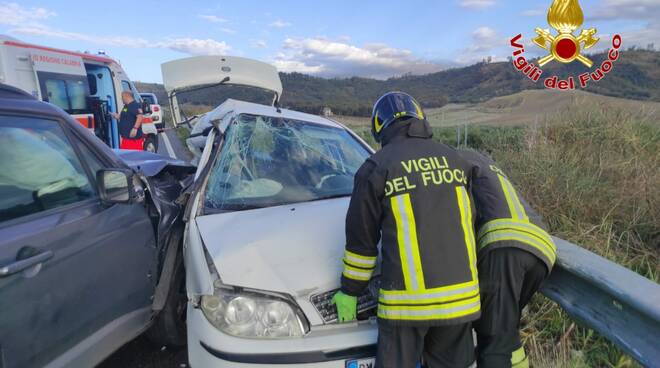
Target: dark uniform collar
410 128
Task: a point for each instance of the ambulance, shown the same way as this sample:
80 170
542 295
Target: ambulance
87 86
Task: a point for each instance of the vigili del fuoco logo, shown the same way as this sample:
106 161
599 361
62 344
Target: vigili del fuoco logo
565 16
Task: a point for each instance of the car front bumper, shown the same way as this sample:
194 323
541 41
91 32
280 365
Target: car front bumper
324 346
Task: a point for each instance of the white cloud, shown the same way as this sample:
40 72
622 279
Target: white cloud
626 9
287 66
228 30
476 4
195 46
334 58
645 11
192 46
485 41
280 24
258 44
212 18
13 14
40 30
29 21
534 12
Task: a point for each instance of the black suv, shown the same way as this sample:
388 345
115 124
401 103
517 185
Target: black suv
89 240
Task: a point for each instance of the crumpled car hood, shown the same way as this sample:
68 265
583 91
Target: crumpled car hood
165 179
151 164
294 249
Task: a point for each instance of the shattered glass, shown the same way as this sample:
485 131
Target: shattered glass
269 161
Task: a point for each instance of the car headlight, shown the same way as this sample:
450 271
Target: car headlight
249 313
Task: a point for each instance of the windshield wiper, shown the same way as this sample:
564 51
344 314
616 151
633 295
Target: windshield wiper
331 197
234 208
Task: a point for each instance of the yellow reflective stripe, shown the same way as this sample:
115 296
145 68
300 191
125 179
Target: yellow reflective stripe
429 297
511 224
357 273
413 241
407 241
359 260
419 110
515 206
465 210
433 290
427 312
502 235
400 240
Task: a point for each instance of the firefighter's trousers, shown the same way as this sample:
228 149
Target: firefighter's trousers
441 346
508 278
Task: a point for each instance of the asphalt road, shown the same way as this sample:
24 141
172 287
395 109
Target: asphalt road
170 145
141 353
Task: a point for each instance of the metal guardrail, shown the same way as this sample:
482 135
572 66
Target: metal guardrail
621 305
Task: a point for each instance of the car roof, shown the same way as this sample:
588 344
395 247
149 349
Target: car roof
17 101
243 107
12 98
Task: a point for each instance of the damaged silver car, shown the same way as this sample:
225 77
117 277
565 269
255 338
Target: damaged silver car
264 232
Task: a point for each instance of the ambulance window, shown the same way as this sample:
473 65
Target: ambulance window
56 93
69 92
93 87
77 94
125 86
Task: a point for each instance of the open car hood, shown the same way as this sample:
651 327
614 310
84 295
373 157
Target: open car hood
205 70
294 249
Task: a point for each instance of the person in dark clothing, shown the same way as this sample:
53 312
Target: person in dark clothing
130 123
515 254
413 193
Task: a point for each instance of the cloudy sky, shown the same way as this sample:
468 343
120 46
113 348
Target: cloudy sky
335 38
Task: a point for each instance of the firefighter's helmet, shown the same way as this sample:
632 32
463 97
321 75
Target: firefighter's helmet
391 107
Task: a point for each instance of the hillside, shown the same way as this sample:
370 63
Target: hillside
531 106
636 75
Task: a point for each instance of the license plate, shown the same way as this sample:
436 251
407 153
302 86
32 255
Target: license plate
361 363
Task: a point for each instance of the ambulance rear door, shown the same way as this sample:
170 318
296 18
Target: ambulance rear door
62 81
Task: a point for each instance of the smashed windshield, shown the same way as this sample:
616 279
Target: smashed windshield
269 161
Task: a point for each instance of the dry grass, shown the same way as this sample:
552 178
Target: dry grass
594 174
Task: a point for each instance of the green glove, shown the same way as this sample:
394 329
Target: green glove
346 307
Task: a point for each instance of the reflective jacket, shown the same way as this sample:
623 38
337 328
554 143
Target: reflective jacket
414 192
504 219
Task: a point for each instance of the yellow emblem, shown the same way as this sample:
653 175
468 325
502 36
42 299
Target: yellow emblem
565 16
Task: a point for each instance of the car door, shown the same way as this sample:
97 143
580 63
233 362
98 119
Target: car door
69 265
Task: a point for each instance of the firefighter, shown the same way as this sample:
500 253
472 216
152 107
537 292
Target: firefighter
130 123
514 254
429 291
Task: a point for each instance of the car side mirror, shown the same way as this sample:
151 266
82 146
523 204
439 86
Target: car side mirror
115 185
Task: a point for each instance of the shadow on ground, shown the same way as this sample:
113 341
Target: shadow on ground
140 353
